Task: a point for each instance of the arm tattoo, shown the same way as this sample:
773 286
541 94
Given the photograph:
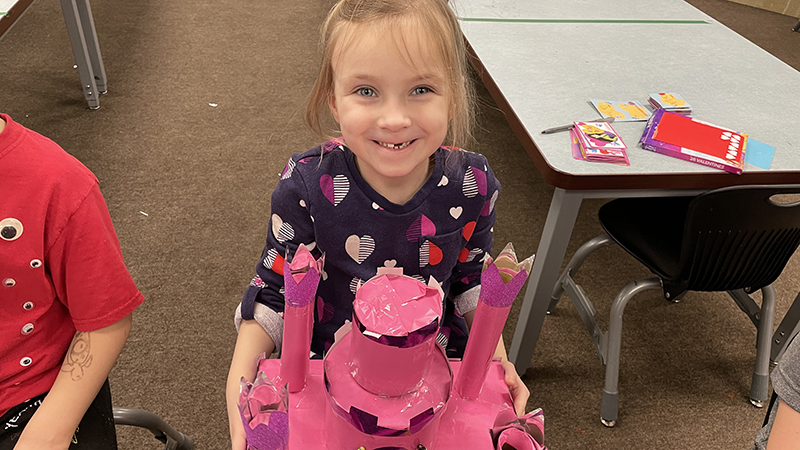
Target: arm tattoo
79 356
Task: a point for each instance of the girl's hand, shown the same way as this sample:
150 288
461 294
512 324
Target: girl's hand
519 392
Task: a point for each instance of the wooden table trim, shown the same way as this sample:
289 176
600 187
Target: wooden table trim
16 11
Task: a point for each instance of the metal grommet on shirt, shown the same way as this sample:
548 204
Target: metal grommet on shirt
9 282
10 229
27 328
25 362
36 263
27 306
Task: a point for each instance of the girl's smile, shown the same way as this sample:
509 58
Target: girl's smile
395 146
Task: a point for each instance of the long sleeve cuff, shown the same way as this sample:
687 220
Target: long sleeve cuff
271 321
467 301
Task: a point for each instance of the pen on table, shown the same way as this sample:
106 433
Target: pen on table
569 127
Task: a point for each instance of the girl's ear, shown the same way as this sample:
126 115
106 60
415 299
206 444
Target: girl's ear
332 106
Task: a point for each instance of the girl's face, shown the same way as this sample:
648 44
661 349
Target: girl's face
391 103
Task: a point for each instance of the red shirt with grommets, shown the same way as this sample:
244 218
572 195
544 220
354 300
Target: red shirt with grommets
61 267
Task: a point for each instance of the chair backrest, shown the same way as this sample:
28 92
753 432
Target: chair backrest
738 237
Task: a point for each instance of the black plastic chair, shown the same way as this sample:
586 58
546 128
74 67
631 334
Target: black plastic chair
735 239
172 439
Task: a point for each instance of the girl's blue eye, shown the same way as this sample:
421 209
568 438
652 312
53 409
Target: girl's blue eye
365 92
421 90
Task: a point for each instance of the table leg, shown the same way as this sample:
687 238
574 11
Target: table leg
78 40
92 45
552 247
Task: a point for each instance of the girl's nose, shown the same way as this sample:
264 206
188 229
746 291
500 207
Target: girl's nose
394 116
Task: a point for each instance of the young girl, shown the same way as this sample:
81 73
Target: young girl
394 77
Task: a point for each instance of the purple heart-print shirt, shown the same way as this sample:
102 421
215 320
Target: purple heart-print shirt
321 200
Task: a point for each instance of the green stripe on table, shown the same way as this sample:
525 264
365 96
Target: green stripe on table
486 19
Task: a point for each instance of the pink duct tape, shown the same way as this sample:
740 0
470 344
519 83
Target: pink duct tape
298 324
486 330
464 424
377 415
301 279
396 305
341 435
389 370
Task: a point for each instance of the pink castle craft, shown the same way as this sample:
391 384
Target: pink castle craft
386 383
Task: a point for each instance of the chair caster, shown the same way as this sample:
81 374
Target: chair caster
757 403
608 423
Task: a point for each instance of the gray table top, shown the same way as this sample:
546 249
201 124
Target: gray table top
547 72
578 9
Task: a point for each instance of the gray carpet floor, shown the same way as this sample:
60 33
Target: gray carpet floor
188 187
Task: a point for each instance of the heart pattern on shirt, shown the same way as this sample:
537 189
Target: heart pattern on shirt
474 182
420 279
472 254
274 261
282 231
443 181
359 248
324 311
335 188
287 171
489 205
429 254
355 283
422 226
469 228
455 212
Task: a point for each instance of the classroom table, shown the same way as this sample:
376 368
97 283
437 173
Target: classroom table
543 61
83 39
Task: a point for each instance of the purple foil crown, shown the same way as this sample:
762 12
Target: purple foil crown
264 411
301 277
503 278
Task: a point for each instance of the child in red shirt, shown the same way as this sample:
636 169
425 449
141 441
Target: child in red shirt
67 298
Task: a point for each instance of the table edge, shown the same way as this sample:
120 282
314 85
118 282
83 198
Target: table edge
16 11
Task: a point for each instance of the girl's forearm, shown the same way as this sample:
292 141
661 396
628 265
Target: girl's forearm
86 366
785 433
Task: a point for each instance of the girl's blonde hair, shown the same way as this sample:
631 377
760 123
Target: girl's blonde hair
439 32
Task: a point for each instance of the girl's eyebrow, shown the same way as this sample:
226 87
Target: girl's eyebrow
431 78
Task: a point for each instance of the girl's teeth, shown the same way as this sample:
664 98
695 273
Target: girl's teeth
395 147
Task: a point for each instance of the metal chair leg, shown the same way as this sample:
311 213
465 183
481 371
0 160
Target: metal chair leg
610 404
796 26
575 264
788 328
759 389
172 438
